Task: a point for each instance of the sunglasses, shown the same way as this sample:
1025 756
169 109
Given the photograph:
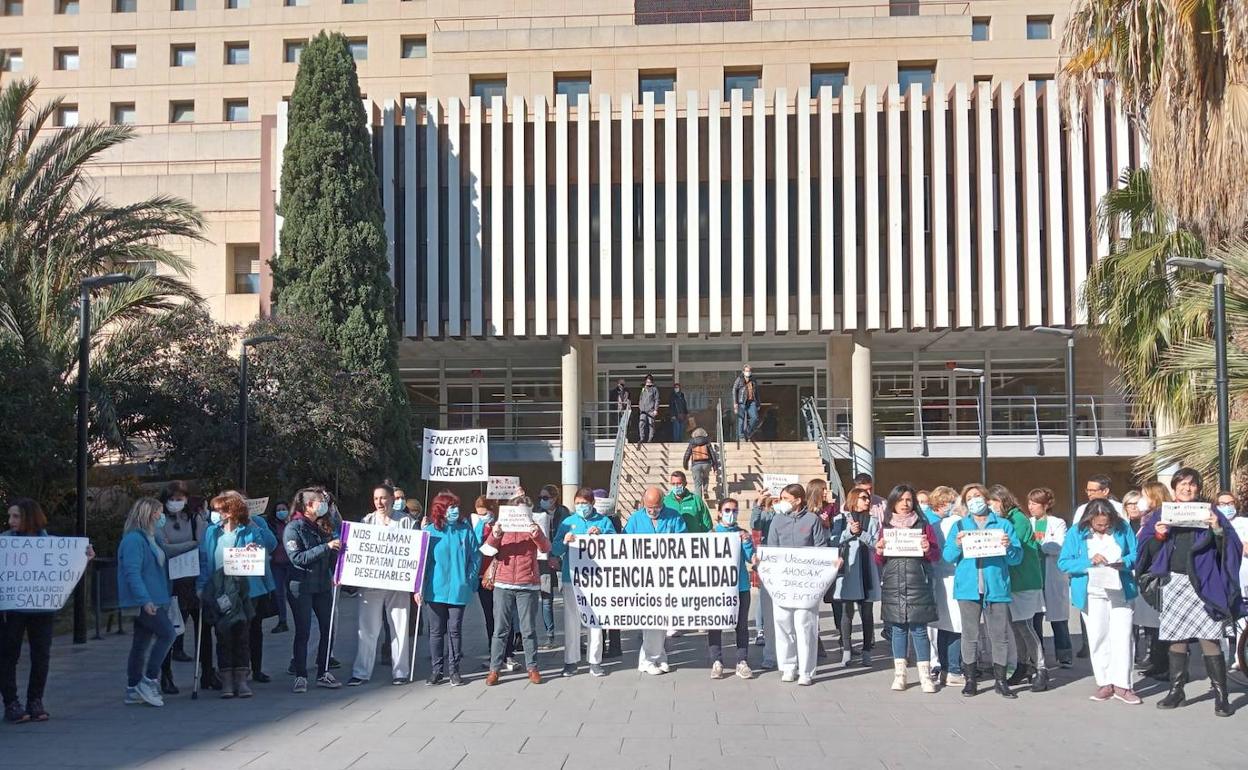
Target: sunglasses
544 497
729 510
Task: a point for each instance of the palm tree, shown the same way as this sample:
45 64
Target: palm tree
55 230
1183 67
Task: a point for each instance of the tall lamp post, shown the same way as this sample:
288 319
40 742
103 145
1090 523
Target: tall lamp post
1072 441
983 421
1218 268
84 404
242 405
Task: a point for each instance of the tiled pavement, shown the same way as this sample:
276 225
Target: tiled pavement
626 720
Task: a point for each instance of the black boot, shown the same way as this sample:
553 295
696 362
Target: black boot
166 683
1002 687
613 650
1041 681
179 650
1178 678
971 688
209 680
1158 660
1215 666
1023 673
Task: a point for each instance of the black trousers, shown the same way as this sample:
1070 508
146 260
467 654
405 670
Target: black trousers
714 637
867 611
446 623
37 628
255 644
302 607
232 646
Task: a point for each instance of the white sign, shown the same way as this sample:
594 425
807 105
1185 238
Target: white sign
515 518
380 556
656 581
980 543
184 566
248 562
1186 514
502 487
904 542
604 505
39 573
774 483
256 506
797 578
455 455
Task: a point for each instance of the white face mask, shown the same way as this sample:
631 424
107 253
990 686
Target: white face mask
782 507
175 506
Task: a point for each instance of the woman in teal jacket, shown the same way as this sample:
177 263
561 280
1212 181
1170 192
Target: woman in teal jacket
583 520
728 512
1026 592
454 558
981 587
1100 558
143 581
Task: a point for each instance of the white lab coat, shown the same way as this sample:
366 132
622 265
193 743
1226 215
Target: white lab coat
948 617
1056 582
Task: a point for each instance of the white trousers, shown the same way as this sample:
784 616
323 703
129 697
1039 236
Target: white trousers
767 627
1111 644
797 635
376 605
572 632
653 649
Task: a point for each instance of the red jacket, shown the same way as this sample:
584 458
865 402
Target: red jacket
517 556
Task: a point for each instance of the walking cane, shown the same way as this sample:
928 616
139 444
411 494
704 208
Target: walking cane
199 631
333 615
411 672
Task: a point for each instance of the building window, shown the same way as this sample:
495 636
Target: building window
245 265
67 7
358 47
1042 80
125 58
297 3
13 7
182 111
65 59
414 46
1039 27
572 86
183 5
236 111
182 55
657 83
125 6
413 102
292 50
983 79
237 53
909 74
237 4
830 77
981 28
123 113
903 7
67 115
11 60
489 87
744 81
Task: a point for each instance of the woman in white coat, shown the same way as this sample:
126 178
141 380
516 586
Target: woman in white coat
948 626
1050 532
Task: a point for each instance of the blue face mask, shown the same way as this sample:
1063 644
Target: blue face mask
926 509
322 508
545 503
399 505
976 506
215 517
452 513
1227 510
162 521
678 489
584 509
282 514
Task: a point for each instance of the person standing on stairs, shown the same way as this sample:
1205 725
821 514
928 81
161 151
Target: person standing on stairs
700 460
691 507
648 408
746 401
678 411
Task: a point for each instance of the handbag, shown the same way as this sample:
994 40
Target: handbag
487 580
1150 586
265 606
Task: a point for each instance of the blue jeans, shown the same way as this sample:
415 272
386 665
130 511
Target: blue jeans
153 637
281 576
949 651
915 633
747 419
678 428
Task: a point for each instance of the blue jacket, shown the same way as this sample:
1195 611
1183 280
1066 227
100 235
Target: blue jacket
747 555
669 523
996 568
577 525
1074 561
259 534
453 563
141 577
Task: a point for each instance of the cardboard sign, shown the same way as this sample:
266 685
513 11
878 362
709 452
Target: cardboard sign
903 542
515 518
797 578
455 455
381 556
39 573
256 506
502 487
1194 514
656 581
980 543
248 562
774 483
184 566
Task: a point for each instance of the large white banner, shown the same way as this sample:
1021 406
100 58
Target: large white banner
797 578
39 573
379 556
456 455
656 581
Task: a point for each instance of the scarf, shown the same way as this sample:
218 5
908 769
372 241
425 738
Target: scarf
899 521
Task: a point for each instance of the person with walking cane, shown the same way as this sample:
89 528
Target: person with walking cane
312 544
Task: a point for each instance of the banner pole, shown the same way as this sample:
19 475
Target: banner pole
333 615
411 672
199 632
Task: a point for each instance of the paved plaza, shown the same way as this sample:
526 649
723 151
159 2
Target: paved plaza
849 718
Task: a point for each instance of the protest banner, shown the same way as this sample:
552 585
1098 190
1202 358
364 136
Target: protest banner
256 506
604 505
455 455
184 566
1195 514
379 556
39 573
515 518
981 543
797 578
245 562
656 581
904 542
502 487
774 483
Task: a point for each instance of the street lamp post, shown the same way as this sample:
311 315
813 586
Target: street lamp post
242 405
983 421
87 286
1072 441
1218 268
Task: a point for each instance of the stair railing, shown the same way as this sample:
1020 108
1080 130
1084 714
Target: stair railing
721 478
815 432
621 441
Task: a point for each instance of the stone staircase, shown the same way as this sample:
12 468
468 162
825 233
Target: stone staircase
646 465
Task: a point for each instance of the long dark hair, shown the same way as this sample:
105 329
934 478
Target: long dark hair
1003 495
891 504
1100 508
34 520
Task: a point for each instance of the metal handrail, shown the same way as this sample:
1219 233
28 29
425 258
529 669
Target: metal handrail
1035 416
721 479
621 441
1096 429
815 431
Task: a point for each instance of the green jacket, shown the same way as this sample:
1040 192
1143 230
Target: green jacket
1028 575
692 509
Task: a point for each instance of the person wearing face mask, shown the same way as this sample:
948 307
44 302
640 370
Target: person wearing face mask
549 516
728 516
517 591
648 406
690 506
746 401
1026 592
1050 533
180 532
982 587
584 520
678 412
280 564
143 582
379 607
857 585
700 459
483 524
312 544
908 601
1227 505
948 625
1156 653
454 561
613 636
761 516
622 398
654 518
796 630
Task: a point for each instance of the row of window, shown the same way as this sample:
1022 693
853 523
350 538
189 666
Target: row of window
1038 28
180 111
71 7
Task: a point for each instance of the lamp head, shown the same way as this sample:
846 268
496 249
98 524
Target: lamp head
260 340
1056 330
109 279
1203 265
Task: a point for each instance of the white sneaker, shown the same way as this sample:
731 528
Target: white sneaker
149 691
847 657
511 666
743 670
805 681
666 669
301 684
760 640
788 676
717 670
328 681
954 679
132 696
597 670
651 669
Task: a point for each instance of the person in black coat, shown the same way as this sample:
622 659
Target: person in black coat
907 598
